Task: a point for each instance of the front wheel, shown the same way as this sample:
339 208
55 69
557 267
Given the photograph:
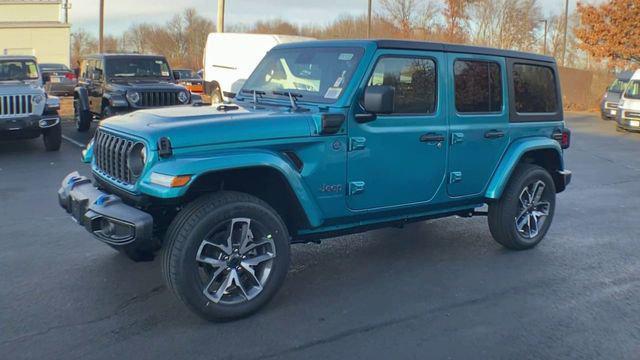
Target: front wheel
523 215
226 255
82 117
52 138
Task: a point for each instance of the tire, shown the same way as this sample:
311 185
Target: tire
52 138
515 227
82 117
199 234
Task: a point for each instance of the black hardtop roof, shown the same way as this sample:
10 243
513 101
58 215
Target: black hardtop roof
479 50
625 75
109 55
424 46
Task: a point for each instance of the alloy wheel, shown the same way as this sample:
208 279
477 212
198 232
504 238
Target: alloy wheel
235 261
533 210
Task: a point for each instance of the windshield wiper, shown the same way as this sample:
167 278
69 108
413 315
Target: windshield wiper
255 94
293 97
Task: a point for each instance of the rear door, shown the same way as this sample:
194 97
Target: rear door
397 159
479 122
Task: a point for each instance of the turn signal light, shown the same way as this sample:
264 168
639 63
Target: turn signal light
169 180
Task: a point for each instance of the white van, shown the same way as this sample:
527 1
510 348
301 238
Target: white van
629 105
229 59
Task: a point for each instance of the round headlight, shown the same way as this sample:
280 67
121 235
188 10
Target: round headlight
133 97
37 99
137 159
183 97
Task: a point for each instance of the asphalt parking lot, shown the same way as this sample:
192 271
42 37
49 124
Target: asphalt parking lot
437 289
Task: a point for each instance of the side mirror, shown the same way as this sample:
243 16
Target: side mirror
379 99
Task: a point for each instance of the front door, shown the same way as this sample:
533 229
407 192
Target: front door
479 121
95 87
400 158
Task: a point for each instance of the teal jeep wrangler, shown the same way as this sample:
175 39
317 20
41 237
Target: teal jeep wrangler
325 138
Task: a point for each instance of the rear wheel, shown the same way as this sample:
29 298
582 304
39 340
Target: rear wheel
52 137
82 117
226 255
523 215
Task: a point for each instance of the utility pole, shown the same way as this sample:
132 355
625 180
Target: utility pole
220 23
66 6
566 22
369 20
101 26
546 23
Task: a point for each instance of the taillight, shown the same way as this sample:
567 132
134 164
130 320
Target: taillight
563 137
70 76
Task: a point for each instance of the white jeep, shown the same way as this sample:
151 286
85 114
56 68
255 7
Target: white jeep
26 111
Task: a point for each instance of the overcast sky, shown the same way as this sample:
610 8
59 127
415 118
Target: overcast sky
120 14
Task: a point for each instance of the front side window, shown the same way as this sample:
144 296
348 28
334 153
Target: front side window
18 70
478 86
414 81
142 67
534 89
633 90
314 74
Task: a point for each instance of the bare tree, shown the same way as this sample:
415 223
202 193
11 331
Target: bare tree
456 18
82 43
402 13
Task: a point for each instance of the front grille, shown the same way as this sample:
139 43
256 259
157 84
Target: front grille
611 105
158 98
111 154
632 115
16 105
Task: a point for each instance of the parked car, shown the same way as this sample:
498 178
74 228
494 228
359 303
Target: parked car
59 80
26 111
112 84
356 135
230 58
190 80
629 106
611 97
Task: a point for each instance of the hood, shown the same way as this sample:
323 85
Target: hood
199 126
611 96
20 87
631 104
142 85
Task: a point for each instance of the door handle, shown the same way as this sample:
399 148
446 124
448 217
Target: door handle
432 137
494 134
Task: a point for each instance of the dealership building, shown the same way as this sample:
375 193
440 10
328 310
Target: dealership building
35 27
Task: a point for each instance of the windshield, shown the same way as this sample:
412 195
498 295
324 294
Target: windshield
18 70
138 67
313 74
618 86
53 67
185 74
633 90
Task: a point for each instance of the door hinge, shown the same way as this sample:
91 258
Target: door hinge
455 177
357 143
356 187
457 138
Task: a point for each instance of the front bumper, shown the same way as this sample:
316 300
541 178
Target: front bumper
629 124
26 126
609 114
105 215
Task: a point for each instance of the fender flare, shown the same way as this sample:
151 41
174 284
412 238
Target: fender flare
116 100
83 96
512 157
200 165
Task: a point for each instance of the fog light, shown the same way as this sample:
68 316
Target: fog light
43 123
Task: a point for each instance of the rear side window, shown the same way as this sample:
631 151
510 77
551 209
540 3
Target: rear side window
534 88
414 80
478 86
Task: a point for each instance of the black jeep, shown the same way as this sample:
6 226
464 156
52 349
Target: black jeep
112 84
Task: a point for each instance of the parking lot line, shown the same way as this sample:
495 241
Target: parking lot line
74 142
